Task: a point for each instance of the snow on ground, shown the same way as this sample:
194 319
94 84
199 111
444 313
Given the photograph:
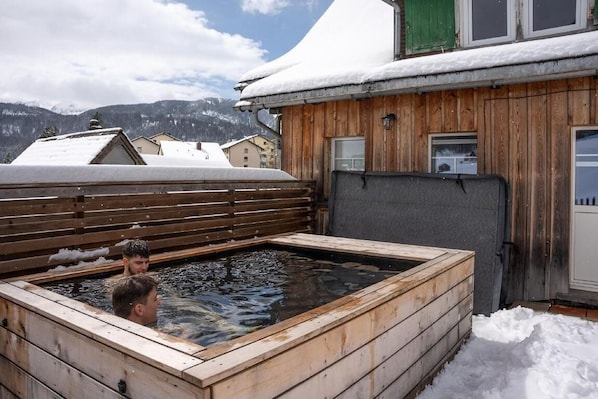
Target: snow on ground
519 353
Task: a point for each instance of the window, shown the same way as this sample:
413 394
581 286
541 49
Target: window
545 17
586 167
454 154
246 150
488 21
495 21
348 154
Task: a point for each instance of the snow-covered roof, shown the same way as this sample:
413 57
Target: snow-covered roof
235 142
335 60
209 154
80 148
25 174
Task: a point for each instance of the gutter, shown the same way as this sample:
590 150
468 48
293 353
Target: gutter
477 77
261 124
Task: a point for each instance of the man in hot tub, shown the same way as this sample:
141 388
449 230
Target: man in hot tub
136 298
136 255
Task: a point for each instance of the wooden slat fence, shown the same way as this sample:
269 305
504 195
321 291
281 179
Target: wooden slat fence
93 220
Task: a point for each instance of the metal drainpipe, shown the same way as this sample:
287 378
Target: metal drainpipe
397 27
266 127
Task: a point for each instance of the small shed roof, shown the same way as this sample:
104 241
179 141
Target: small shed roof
336 61
80 148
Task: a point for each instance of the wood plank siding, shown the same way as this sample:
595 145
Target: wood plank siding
523 133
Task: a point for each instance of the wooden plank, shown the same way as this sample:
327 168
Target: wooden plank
404 141
295 157
33 206
17 383
467 118
518 188
62 378
538 137
450 111
579 101
378 136
434 112
364 247
559 207
391 104
307 143
318 161
420 134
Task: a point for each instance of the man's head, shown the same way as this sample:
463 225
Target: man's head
136 255
136 298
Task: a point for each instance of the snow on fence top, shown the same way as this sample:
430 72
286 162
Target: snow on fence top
30 174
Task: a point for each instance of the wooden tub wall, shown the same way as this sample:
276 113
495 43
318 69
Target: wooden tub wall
386 340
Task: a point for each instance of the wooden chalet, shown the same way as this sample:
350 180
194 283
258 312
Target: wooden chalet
503 89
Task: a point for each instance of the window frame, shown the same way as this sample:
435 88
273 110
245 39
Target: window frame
431 137
333 149
467 26
528 20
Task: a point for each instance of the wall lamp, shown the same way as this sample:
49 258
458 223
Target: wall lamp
388 120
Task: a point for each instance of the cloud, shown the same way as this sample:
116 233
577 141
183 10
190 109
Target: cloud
267 7
118 51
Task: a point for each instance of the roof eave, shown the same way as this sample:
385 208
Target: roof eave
564 68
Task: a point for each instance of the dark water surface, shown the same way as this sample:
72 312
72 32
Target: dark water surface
209 301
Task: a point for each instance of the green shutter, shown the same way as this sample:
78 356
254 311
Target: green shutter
429 26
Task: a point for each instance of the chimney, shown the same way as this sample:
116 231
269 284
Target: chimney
198 146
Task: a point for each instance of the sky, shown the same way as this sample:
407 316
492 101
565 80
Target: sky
520 353
83 54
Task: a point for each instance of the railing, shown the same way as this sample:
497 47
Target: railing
45 226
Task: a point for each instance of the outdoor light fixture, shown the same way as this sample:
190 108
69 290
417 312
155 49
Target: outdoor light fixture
388 120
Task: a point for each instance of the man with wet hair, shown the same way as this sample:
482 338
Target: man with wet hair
136 255
136 298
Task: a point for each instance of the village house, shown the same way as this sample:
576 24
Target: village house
244 153
269 151
144 145
91 147
507 88
252 151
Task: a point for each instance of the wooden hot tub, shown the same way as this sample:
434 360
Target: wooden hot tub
385 340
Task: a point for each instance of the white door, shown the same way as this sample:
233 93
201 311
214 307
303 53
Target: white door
584 229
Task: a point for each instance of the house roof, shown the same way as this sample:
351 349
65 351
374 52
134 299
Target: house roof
336 61
142 138
210 154
235 142
171 137
80 148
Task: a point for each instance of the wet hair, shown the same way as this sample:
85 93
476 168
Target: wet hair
136 248
131 290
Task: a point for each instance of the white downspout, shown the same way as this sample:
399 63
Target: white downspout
397 27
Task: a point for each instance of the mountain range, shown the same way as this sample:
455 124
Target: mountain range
208 120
